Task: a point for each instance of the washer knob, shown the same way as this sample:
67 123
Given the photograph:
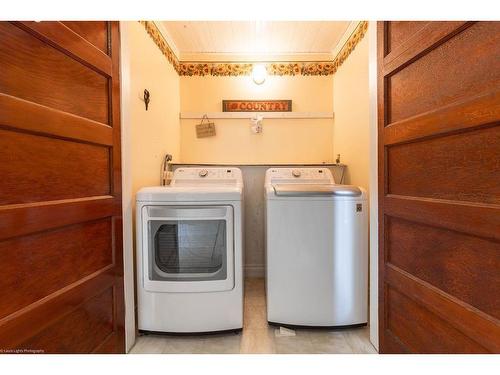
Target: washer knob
203 173
296 173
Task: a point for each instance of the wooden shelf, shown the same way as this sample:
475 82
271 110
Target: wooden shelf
266 165
248 115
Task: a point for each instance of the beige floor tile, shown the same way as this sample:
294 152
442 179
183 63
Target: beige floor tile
359 340
255 316
330 342
254 284
254 290
222 344
184 345
255 294
300 344
258 337
255 300
149 344
257 341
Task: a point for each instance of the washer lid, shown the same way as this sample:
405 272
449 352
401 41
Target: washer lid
189 193
306 190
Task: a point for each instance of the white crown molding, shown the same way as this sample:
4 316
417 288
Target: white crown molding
345 37
257 57
168 38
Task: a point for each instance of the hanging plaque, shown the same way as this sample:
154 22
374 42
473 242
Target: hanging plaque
205 129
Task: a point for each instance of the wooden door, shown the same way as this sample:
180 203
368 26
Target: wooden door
61 267
439 183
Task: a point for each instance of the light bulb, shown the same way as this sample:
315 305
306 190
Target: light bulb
259 74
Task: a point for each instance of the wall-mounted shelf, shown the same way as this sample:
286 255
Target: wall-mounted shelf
248 115
263 165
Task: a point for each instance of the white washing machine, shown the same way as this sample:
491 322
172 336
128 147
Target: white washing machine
316 249
190 252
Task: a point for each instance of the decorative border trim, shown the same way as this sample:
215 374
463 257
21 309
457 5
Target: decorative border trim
215 69
350 45
286 68
161 43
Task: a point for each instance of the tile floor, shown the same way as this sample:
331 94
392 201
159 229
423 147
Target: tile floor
258 337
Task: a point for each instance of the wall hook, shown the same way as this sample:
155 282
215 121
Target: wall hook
146 98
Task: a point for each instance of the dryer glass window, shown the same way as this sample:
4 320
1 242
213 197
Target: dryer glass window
188 250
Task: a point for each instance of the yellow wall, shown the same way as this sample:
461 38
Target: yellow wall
159 130
156 131
351 137
282 141
146 135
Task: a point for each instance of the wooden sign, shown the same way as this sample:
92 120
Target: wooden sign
257 106
205 128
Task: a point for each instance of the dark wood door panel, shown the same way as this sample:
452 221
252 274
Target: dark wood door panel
439 197
392 345
53 169
20 327
398 32
459 167
95 32
23 219
425 85
425 332
113 344
30 117
463 266
457 117
470 321
34 266
34 70
81 331
70 43
60 192
418 42
475 219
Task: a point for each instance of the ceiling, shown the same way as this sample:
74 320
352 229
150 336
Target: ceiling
254 37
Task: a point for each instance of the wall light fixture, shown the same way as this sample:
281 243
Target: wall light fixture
259 73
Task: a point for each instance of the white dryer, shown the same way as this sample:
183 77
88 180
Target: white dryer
190 252
316 249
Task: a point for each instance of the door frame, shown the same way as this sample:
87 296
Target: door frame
127 197
373 180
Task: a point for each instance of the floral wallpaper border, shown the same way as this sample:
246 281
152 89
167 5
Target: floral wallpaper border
162 44
289 68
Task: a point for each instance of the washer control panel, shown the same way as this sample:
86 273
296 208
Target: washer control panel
299 175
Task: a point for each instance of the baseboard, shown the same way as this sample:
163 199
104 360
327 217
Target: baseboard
254 270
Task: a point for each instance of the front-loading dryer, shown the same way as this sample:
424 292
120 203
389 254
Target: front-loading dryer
190 252
316 249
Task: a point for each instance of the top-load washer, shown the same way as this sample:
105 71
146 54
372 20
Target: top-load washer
190 252
316 249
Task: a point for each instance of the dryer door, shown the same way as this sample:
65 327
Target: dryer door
188 248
